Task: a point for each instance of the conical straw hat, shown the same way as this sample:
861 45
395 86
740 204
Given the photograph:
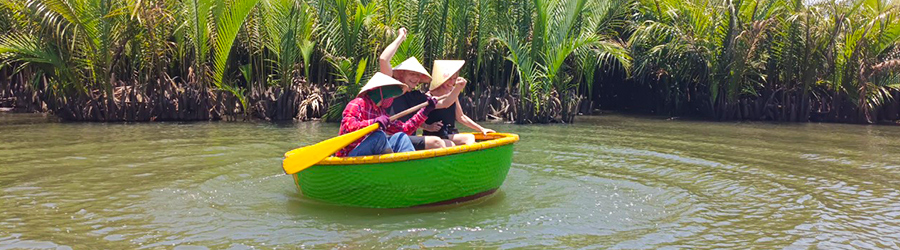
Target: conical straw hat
380 80
443 70
413 65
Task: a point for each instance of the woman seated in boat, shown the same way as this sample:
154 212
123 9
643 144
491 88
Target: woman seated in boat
442 121
369 107
411 73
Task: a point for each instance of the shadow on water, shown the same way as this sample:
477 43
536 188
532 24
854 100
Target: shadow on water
300 204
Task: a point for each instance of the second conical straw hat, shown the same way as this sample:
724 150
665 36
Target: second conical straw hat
413 65
443 70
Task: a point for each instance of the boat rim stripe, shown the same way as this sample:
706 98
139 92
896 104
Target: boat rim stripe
493 140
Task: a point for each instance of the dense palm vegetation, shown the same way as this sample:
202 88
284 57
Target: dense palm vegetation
771 60
529 60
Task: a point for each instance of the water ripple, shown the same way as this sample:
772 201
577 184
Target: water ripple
605 182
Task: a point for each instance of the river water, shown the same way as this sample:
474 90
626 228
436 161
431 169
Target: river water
605 182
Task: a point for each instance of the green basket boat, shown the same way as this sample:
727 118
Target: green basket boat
409 179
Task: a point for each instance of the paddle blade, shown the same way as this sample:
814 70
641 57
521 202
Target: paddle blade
299 159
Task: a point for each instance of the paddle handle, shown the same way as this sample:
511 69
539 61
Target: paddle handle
414 108
409 111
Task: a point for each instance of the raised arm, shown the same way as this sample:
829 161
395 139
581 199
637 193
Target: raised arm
449 99
384 61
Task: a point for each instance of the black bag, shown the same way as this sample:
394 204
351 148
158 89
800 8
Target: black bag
447 130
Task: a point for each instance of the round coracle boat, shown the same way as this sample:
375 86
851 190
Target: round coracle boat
419 178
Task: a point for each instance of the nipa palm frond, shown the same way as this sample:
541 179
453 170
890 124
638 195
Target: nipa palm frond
229 18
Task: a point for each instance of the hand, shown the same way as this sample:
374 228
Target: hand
432 103
461 82
402 33
486 131
434 127
383 121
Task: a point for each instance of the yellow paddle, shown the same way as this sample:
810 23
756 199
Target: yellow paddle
299 159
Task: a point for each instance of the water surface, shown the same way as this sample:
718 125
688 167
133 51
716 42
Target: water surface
605 182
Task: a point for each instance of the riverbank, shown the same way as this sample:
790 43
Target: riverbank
312 103
184 102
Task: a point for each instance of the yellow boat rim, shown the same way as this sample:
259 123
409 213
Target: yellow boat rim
485 141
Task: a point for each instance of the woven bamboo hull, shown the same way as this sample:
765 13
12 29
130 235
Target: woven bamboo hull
413 178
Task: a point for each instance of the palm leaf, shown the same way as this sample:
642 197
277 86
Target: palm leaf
197 13
229 18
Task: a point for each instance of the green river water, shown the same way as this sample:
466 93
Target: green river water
605 182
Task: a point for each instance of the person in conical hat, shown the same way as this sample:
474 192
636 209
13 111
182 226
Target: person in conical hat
369 107
411 73
441 122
